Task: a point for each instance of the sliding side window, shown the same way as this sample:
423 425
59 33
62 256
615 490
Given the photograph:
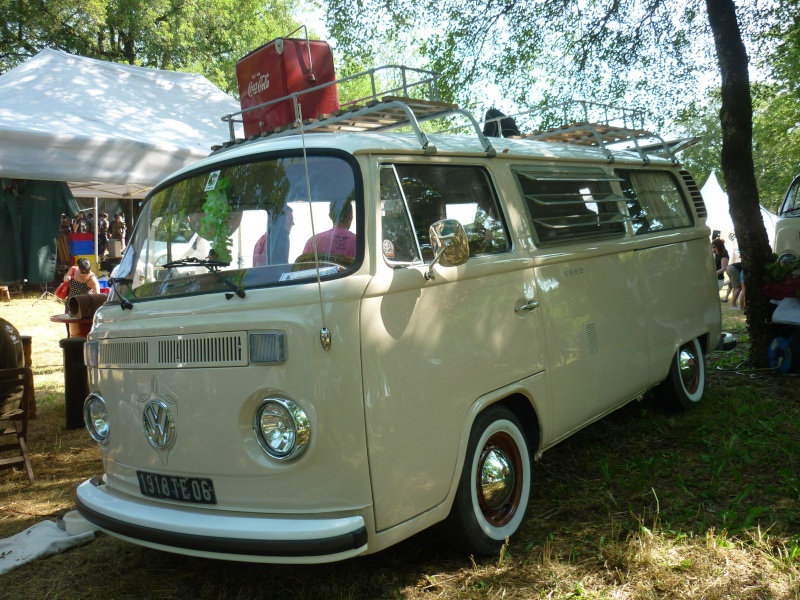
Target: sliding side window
566 203
655 202
414 197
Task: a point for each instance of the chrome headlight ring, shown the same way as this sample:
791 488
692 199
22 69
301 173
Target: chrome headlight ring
95 416
787 258
282 428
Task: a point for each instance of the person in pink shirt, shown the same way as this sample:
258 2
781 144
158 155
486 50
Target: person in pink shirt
274 249
339 240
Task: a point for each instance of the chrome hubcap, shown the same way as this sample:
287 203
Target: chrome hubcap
497 479
688 367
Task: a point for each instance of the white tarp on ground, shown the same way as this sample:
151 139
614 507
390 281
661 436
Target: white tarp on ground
109 130
43 539
719 217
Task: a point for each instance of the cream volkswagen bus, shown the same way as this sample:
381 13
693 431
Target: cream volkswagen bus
377 332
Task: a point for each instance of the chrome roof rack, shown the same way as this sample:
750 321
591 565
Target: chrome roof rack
607 138
412 98
597 125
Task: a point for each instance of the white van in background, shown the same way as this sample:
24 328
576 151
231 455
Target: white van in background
787 227
414 320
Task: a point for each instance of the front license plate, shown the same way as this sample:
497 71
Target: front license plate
196 490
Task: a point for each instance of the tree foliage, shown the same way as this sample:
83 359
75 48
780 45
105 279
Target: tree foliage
776 139
206 37
629 52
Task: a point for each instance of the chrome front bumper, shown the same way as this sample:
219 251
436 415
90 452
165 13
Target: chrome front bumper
217 534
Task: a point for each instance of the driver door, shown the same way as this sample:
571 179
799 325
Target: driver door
432 347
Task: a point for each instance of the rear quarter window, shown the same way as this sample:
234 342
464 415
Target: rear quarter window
654 201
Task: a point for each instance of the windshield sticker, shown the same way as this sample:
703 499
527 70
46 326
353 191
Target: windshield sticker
306 273
212 181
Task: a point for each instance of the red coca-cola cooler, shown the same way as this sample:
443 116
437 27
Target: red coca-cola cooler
282 67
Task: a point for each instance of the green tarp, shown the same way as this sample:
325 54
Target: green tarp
30 220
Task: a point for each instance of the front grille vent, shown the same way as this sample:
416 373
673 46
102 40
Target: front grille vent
229 349
201 350
123 353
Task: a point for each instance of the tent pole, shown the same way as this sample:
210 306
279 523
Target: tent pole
96 220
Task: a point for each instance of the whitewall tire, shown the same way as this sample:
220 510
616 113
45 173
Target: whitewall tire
494 488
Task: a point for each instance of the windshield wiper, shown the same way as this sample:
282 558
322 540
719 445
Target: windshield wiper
211 265
122 301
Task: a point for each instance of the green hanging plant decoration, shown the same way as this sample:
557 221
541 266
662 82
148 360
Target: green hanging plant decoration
214 226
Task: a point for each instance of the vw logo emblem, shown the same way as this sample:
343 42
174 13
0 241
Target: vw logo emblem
158 425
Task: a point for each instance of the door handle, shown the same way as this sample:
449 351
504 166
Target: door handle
530 305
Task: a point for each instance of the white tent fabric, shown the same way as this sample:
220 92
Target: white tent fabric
109 130
719 217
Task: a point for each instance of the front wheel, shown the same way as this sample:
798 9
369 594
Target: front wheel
686 382
495 484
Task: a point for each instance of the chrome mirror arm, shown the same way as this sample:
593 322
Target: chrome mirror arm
430 274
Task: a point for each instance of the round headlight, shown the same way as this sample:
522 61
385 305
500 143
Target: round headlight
787 258
96 417
282 428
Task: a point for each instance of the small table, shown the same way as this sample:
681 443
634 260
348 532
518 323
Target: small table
75 327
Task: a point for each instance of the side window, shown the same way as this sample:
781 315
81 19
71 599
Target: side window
399 245
791 205
654 201
434 192
566 204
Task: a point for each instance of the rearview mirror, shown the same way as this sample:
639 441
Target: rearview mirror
449 244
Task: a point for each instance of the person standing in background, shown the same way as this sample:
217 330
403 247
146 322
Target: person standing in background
81 281
79 225
734 272
118 230
102 234
721 259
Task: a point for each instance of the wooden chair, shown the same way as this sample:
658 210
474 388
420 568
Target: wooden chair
16 386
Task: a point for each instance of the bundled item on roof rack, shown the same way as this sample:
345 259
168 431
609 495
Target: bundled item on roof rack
283 67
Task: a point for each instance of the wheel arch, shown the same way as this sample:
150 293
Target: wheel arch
705 343
525 411
524 408
509 426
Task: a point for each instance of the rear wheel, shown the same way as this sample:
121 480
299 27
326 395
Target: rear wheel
686 382
493 492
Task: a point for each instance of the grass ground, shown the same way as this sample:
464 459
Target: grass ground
643 504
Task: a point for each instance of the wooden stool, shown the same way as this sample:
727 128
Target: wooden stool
4 293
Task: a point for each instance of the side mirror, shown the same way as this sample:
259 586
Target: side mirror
449 244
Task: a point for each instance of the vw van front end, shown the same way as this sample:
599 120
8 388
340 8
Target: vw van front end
225 385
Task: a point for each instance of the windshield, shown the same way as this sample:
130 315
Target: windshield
245 226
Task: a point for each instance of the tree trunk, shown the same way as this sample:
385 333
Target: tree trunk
736 118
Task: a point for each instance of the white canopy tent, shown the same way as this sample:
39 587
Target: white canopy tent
719 217
108 130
